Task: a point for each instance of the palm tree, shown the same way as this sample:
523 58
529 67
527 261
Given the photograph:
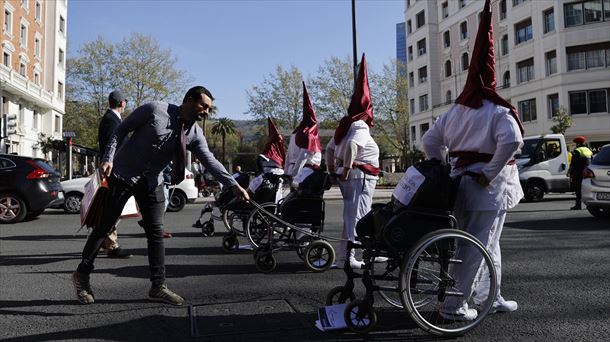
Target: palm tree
224 127
213 110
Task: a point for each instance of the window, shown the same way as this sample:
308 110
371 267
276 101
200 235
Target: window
24 4
37 47
553 103
464 30
410 53
61 57
421 47
523 31
22 69
445 9
409 29
527 110
518 2
589 101
423 103
35 120
411 80
549 20
551 62
447 68
578 102
36 77
422 74
38 11
57 127
448 98
588 56
6 60
506 80
8 22
465 61
586 12
420 19
525 71
504 45
447 39
462 3
413 133
23 35
412 106
502 9
408 3
60 90
597 101
423 128
62 24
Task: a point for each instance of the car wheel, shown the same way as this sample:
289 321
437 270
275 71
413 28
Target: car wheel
72 203
12 208
177 202
534 192
599 212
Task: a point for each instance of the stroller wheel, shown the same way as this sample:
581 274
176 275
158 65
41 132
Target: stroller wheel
207 229
319 256
198 224
230 243
339 295
265 261
360 317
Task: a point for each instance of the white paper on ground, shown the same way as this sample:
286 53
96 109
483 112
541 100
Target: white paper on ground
408 185
331 317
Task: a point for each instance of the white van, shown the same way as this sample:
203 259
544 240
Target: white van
543 166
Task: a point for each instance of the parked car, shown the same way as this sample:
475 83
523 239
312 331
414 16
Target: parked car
596 184
27 186
543 166
74 189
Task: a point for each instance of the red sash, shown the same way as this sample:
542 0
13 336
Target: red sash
312 166
368 169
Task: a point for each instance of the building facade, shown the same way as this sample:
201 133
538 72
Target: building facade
549 54
32 72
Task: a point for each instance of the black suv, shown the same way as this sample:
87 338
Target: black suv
27 187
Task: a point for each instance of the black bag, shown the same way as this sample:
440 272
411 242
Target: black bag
438 192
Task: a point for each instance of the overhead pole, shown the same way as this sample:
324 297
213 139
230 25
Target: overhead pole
354 42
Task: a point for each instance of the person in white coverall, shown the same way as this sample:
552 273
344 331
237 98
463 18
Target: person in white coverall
482 132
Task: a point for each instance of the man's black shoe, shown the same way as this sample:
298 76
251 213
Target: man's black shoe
118 253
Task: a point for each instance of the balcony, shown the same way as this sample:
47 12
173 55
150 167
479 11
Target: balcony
12 81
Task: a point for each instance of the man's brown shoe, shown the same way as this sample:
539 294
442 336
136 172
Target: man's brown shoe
162 294
83 288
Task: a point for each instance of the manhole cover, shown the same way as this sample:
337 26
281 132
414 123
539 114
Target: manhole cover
244 317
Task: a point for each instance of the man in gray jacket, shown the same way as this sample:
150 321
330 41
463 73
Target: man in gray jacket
160 133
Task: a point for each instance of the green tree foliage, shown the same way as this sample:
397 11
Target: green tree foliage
280 96
562 121
224 127
332 88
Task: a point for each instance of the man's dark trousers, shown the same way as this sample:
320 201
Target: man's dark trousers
151 203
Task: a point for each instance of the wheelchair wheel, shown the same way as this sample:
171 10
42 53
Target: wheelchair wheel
338 295
230 243
435 289
258 224
386 276
264 260
319 256
360 317
232 221
198 224
208 228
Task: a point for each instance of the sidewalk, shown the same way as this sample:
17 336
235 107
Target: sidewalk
333 194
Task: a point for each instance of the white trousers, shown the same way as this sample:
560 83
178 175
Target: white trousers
486 226
357 199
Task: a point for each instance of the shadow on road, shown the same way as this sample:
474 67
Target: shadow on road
572 223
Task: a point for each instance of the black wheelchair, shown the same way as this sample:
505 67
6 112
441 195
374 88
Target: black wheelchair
425 250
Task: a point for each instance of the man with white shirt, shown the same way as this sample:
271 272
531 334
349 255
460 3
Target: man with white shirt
110 121
353 155
482 132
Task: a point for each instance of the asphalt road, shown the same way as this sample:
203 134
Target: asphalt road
555 265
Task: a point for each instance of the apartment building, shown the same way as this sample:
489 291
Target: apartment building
32 72
549 54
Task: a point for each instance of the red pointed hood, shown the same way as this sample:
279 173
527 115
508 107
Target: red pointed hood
306 134
481 81
361 107
275 149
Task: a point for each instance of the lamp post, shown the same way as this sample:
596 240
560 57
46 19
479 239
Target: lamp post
354 42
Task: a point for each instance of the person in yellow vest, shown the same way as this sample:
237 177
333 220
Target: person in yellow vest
581 158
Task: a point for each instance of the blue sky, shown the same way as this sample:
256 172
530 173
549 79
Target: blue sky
229 46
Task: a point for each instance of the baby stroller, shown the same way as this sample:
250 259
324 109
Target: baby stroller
425 250
217 208
295 223
209 185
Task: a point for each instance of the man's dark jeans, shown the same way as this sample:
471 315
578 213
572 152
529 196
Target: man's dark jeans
151 203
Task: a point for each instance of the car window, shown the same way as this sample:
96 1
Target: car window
6 163
529 148
602 157
43 165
